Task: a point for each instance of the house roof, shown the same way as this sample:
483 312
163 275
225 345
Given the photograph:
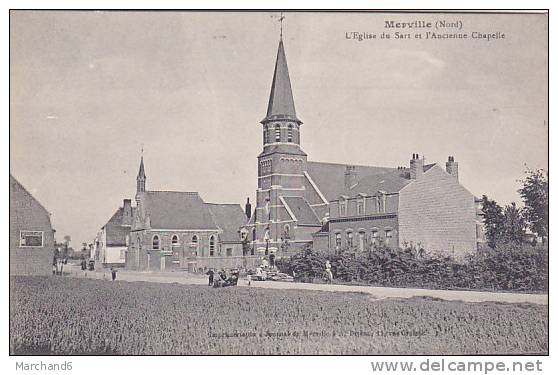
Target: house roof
330 177
390 182
281 103
118 227
303 213
229 218
16 185
177 210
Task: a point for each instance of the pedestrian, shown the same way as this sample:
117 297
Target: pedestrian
54 270
249 279
211 274
328 273
113 272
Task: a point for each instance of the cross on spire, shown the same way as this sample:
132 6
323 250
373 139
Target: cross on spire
281 22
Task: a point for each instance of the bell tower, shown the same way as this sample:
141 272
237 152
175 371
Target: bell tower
281 164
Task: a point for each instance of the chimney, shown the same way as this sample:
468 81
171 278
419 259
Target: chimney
127 212
452 167
351 177
416 167
248 209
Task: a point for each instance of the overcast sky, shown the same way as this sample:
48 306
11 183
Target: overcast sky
88 89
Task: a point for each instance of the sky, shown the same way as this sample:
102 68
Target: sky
88 90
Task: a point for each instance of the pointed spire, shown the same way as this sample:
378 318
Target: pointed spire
281 103
141 173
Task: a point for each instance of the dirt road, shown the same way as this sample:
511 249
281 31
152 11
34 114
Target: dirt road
374 292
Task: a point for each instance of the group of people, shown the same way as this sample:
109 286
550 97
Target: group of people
225 278
58 265
222 278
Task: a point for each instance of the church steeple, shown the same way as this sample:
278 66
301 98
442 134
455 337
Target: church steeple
140 180
281 104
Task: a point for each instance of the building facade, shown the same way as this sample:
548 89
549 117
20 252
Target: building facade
337 206
111 243
173 230
31 233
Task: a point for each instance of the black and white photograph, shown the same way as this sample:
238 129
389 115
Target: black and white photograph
279 183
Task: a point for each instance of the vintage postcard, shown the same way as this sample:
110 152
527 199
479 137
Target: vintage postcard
279 183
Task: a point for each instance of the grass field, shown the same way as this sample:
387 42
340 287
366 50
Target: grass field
54 315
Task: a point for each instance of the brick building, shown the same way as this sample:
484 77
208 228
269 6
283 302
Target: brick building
31 233
111 243
178 230
334 206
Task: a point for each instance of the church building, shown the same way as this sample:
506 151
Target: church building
338 206
173 230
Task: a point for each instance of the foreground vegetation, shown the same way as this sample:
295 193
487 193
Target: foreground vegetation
519 268
51 315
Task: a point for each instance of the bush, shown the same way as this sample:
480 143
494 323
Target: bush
507 267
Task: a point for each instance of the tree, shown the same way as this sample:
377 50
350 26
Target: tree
513 230
534 193
493 219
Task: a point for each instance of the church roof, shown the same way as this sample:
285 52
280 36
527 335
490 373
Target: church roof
303 213
177 210
281 102
229 218
291 149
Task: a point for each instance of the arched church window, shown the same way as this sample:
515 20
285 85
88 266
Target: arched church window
290 133
194 244
155 242
277 133
174 241
211 246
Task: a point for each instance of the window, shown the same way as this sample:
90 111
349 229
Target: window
374 237
155 242
229 252
277 133
360 207
342 207
194 245
254 234
338 240
350 239
174 241
211 246
290 133
381 199
389 236
28 238
361 237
